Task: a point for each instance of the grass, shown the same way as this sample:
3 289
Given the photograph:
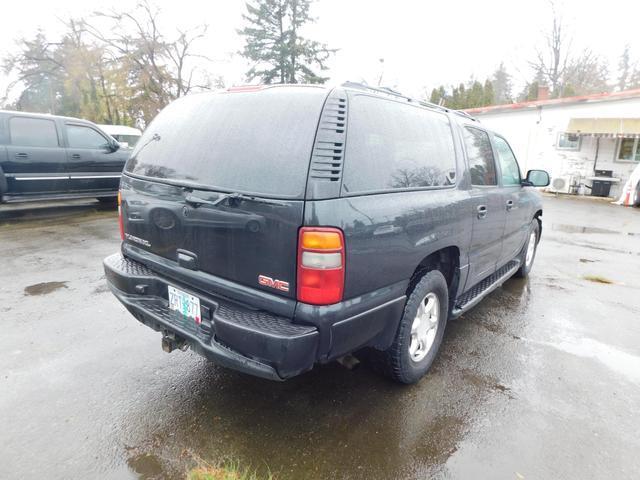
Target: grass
598 279
228 471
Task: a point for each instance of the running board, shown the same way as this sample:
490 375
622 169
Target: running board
473 296
38 197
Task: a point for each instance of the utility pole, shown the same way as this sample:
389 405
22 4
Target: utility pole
381 71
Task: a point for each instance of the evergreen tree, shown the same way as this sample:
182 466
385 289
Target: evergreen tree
475 96
488 94
274 44
501 85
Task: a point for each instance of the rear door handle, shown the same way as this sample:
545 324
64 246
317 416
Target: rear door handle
482 211
22 155
75 156
509 204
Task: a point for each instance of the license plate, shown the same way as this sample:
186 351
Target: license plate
183 303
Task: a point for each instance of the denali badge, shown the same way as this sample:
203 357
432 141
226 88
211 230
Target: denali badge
271 283
138 240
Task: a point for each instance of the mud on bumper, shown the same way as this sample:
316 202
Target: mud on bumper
231 335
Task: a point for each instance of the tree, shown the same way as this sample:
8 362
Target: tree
629 72
501 84
585 74
438 95
275 45
39 72
160 69
123 71
564 72
552 61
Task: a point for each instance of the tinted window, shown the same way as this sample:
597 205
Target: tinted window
480 155
392 145
508 163
255 142
33 132
85 137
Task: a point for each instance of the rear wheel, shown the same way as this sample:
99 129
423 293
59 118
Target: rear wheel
528 254
421 330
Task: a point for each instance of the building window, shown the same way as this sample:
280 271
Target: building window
629 150
568 141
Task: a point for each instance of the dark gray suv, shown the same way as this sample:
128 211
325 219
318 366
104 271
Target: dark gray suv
273 228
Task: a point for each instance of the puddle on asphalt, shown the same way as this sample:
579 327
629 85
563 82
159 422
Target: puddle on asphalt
614 359
44 288
146 465
561 227
579 229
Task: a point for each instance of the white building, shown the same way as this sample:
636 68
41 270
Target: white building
576 139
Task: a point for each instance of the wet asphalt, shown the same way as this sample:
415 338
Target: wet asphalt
541 380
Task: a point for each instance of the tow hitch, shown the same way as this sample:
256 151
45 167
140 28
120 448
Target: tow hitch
171 342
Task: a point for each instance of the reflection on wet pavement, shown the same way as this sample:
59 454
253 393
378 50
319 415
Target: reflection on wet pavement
537 381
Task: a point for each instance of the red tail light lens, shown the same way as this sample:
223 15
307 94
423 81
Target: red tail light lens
120 222
320 265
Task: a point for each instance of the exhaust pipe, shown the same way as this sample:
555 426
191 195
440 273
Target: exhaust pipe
171 342
349 362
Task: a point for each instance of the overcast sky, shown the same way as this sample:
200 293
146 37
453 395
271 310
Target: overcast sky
423 43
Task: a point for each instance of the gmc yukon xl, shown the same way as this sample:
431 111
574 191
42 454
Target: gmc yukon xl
272 228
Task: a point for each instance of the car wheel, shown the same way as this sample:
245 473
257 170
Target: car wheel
528 254
636 203
421 330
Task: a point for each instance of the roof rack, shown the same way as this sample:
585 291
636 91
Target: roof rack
395 93
464 114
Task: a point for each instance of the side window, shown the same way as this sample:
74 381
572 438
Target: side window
393 146
33 132
508 162
85 137
480 155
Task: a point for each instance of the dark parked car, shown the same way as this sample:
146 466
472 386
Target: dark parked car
46 156
376 218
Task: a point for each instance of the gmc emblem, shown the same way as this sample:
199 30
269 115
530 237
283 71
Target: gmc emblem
271 283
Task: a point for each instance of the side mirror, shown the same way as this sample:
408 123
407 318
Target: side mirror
536 178
113 146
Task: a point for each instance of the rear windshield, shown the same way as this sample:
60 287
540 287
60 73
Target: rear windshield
251 142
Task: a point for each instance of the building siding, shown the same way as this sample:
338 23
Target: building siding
533 134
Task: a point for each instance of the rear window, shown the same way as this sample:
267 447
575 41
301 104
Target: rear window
251 142
396 146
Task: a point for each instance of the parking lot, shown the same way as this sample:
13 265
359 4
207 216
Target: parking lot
541 380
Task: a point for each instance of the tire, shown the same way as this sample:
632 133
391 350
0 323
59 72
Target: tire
534 236
403 362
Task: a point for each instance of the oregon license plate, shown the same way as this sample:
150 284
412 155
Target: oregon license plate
183 303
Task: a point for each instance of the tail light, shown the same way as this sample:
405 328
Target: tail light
120 222
320 265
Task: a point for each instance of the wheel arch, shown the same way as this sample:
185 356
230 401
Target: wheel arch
447 261
538 216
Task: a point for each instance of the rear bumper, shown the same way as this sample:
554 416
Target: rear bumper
232 335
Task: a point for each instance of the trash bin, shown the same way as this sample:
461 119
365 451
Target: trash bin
600 188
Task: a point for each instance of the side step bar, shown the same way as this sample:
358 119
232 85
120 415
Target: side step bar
473 296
